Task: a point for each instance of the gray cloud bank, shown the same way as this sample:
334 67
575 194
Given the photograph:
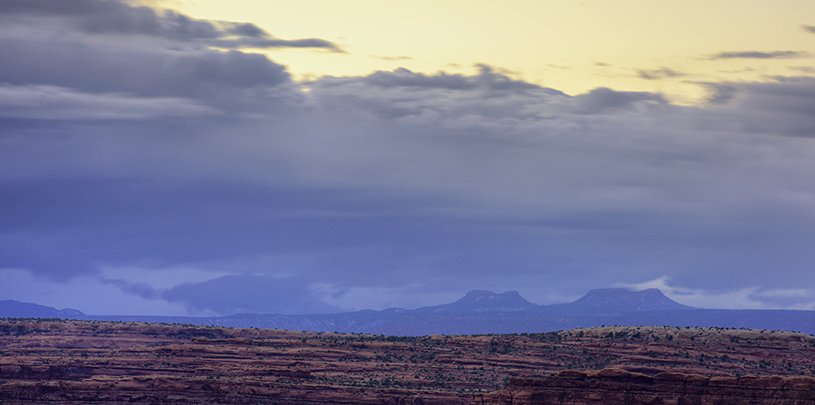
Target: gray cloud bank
121 158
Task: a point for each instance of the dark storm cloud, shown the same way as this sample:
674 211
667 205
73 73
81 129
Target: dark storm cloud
249 294
143 290
659 74
117 17
62 228
760 55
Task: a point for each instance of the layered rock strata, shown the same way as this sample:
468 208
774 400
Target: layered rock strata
80 362
618 387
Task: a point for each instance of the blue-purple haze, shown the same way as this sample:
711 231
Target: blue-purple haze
143 172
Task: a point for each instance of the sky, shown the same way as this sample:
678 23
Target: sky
210 158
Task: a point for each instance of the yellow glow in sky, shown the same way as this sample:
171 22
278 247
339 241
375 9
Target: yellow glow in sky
572 46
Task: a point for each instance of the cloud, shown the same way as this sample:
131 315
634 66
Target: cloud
659 74
59 103
87 294
778 107
180 83
101 17
143 290
487 98
361 297
558 66
809 28
249 294
760 55
402 77
720 93
743 298
486 79
158 72
603 100
391 58
124 162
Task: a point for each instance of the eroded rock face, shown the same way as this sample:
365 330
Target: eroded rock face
619 387
80 362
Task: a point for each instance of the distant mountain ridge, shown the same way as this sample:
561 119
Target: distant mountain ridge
600 302
482 312
17 309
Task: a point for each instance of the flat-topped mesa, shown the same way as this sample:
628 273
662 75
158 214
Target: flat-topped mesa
619 300
480 295
618 387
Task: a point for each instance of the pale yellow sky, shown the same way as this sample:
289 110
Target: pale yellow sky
572 46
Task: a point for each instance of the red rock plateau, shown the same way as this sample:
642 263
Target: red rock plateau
79 362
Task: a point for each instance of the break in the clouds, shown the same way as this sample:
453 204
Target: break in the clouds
207 181
761 55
